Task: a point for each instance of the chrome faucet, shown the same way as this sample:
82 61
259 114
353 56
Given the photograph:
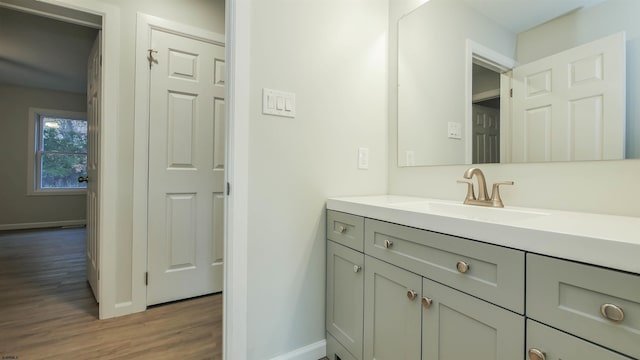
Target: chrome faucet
482 199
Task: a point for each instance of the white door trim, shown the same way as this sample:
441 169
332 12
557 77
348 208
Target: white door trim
146 23
238 100
108 185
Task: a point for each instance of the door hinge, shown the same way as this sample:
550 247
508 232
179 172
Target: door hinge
228 189
100 60
510 92
98 275
151 58
146 278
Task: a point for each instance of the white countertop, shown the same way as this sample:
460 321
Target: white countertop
605 240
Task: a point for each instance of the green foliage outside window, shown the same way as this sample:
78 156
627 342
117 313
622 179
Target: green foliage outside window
63 153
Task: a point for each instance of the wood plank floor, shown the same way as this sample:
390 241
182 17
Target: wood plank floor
47 310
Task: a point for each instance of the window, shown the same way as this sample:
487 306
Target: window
58 152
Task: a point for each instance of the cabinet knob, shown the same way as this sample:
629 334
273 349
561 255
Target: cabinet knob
535 354
426 302
356 268
462 267
388 243
612 312
411 295
342 229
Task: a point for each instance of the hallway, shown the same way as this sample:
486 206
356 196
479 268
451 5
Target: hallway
47 309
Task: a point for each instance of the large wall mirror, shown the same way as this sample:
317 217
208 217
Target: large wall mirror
494 81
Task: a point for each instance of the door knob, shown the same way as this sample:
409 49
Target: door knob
535 354
426 302
462 267
387 244
411 294
83 179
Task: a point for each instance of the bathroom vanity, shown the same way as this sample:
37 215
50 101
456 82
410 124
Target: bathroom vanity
415 278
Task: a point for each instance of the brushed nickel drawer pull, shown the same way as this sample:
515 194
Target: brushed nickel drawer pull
342 229
612 312
388 243
535 354
426 302
356 268
411 294
462 267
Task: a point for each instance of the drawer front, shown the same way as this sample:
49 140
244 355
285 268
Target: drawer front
345 229
494 273
570 296
556 345
345 297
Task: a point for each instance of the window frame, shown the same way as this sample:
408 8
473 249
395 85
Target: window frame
34 154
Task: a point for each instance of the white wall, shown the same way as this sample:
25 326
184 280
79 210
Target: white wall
578 28
332 54
15 206
608 187
432 76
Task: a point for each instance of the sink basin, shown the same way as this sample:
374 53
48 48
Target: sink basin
472 212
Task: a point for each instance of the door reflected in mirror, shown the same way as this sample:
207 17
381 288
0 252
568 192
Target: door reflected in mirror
478 86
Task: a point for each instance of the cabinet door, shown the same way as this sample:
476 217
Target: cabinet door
458 326
392 312
345 297
547 343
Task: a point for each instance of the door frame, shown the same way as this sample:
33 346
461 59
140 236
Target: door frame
108 163
145 24
238 100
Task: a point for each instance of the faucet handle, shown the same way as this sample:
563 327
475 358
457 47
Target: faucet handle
470 194
495 193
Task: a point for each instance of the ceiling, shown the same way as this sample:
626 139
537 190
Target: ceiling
43 52
521 15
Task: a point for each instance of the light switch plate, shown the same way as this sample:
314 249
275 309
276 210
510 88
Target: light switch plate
454 130
279 103
363 158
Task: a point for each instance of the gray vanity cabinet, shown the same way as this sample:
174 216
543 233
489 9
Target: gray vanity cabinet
546 343
459 326
597 304
345 283
392 312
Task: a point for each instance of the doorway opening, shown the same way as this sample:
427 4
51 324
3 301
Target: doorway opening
44 62
487 99
486 115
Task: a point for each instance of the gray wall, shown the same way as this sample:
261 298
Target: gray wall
15 206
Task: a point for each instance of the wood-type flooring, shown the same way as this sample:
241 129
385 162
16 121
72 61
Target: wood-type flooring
47 310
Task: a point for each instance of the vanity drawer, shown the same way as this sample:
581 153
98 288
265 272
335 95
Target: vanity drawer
345 229
556 345
493 273
572 296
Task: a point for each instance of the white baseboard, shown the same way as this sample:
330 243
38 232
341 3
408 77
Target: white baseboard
39 225
314 351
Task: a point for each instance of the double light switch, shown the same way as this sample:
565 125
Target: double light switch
279 103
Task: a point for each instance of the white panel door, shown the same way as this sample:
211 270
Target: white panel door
186 168
93 147
571 105
486 135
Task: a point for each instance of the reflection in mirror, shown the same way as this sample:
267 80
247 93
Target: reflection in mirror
478 86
